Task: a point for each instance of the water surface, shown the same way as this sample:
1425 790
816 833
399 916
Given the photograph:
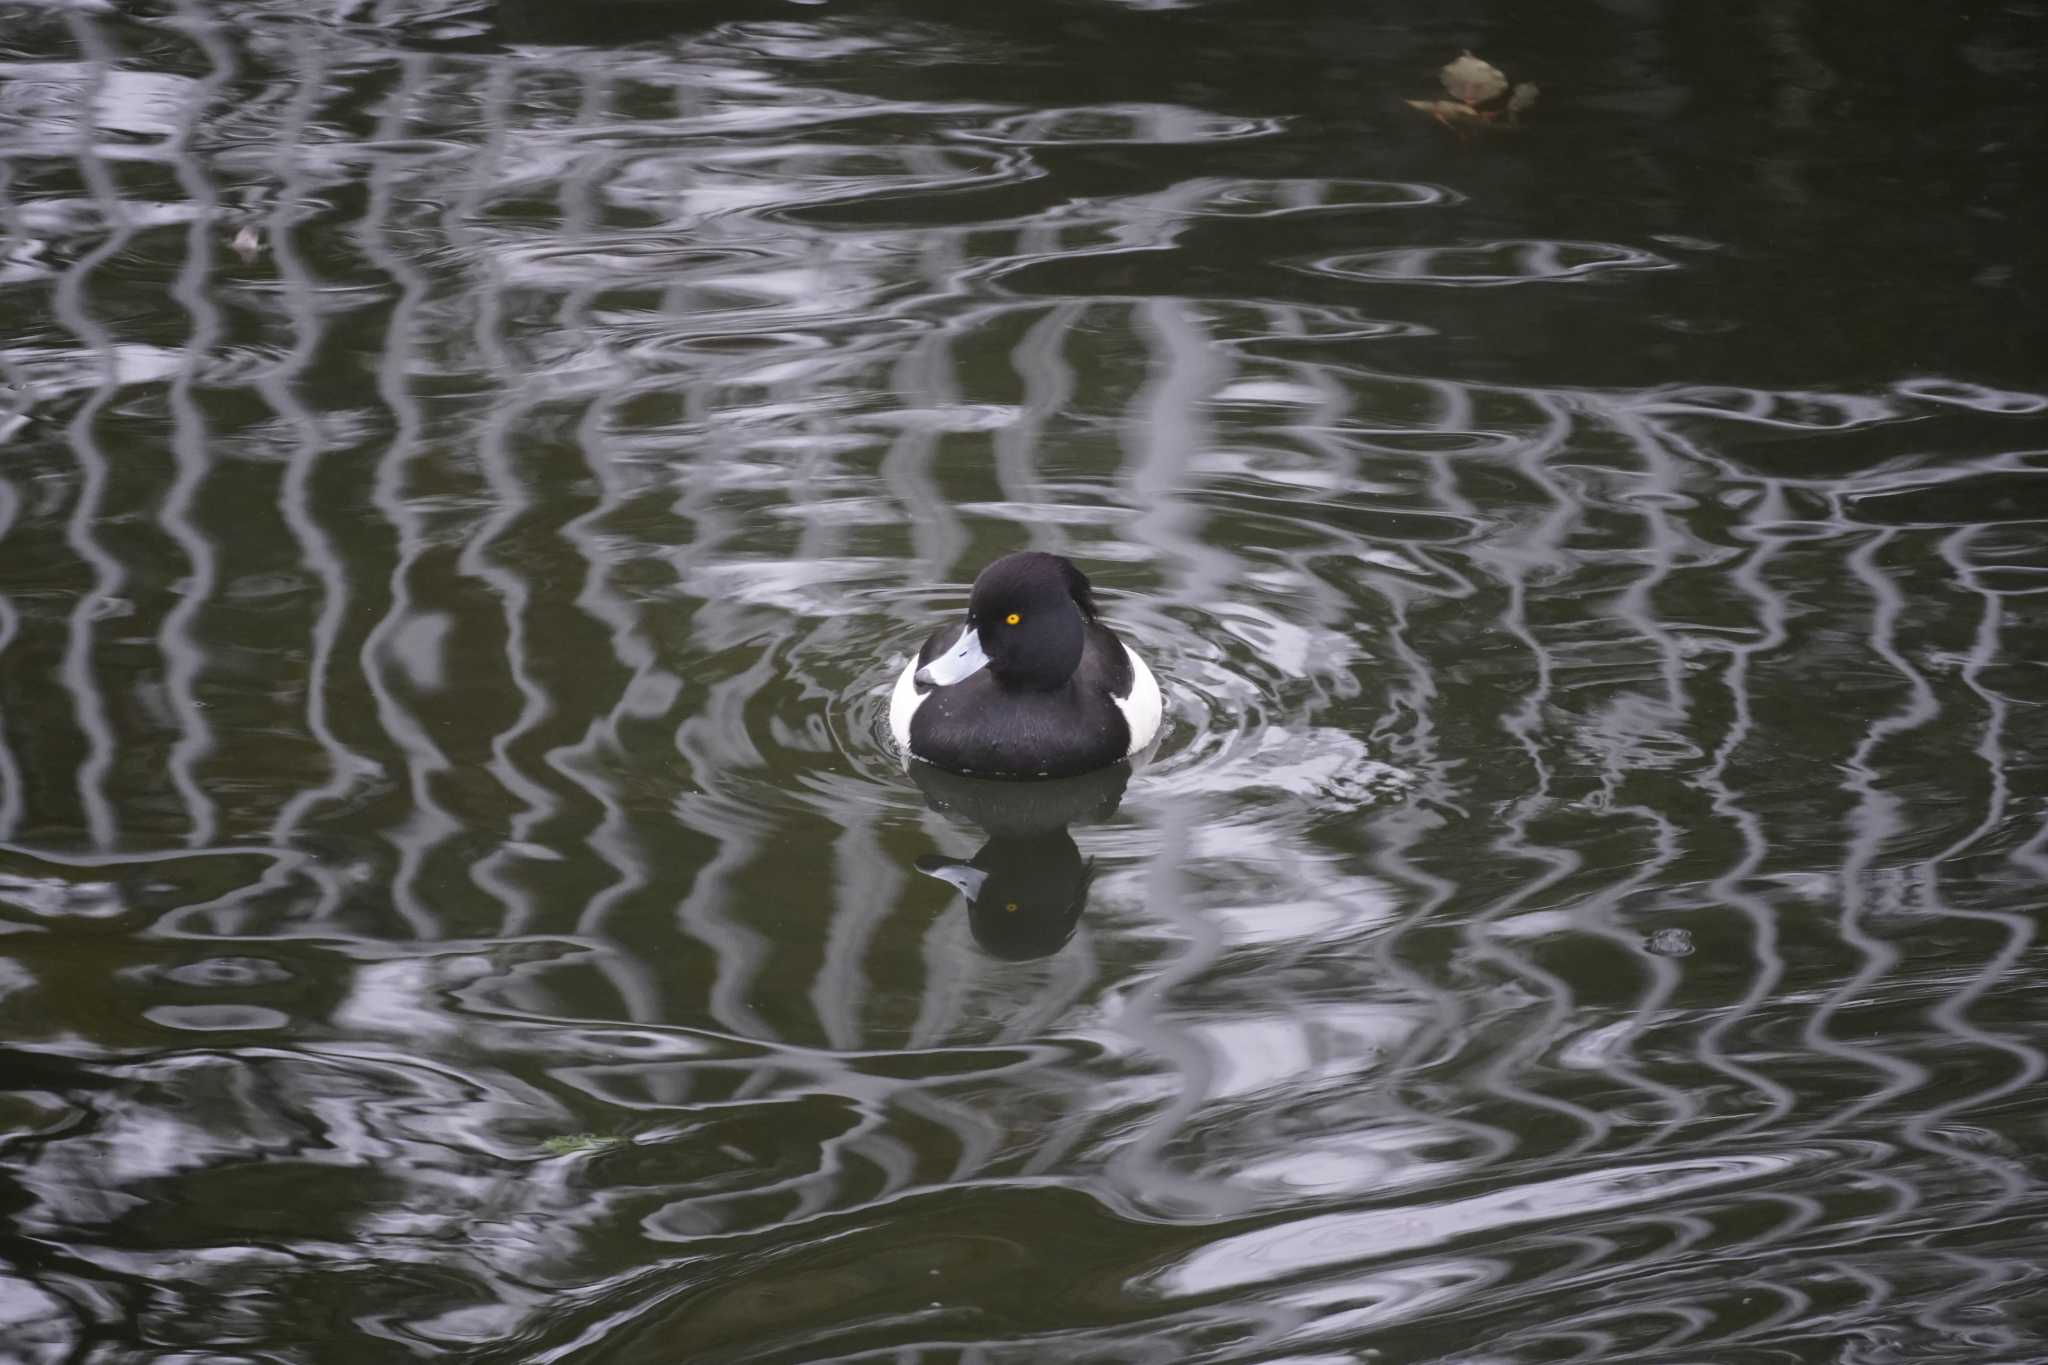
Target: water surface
471 472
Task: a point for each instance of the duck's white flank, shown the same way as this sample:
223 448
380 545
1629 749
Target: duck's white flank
903 703
1142 708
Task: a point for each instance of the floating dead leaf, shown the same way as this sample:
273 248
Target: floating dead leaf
1473 80
248 244
1480 97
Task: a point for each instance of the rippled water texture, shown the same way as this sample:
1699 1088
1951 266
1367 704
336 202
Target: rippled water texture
470 473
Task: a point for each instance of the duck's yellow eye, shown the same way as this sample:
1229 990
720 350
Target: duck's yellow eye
1011 907
1012 619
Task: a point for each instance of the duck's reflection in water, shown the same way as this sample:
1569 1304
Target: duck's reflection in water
1027 886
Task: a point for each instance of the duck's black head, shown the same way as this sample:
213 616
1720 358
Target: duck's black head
1032 612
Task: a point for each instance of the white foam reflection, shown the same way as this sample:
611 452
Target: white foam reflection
1304 1245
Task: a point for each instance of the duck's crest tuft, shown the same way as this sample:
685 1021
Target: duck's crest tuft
1083 591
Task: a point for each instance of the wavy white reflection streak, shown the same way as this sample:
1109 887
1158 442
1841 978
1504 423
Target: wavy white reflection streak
581 766
2032 854
184 656
346 767
11 795
714 741
1406 830
1875 820
295 500
867 885
585 764
1751 579
496 450
1953 1011
71 304
496 871
1665 475
907 472
1039 358
649 685
1184 368
431 823
1328 1241
1514 562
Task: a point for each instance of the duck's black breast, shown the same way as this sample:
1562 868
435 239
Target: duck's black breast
979 726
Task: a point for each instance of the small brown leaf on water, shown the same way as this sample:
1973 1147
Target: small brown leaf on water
1473 80
247 244
1480 97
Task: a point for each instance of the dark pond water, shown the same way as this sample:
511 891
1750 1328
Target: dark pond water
470 474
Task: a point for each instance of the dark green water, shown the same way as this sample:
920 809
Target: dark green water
469 475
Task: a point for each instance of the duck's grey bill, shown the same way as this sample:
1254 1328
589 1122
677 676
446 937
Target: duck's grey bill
963 660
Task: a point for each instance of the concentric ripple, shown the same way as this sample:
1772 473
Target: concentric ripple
1491 263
